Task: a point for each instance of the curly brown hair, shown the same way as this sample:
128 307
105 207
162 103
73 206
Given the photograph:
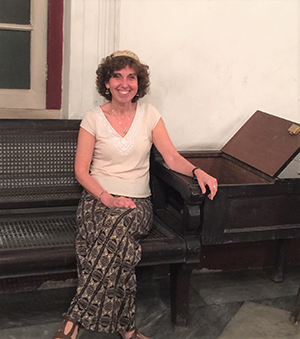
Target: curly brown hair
112 63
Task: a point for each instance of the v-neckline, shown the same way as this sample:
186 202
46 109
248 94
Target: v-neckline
112 128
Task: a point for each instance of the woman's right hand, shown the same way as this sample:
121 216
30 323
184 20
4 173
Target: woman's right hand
110 201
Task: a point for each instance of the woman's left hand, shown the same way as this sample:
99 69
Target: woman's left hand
178 163
206 179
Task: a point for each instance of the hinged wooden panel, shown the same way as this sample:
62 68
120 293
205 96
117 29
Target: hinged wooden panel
264 143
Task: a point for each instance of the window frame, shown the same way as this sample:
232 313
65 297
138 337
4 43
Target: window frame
51 70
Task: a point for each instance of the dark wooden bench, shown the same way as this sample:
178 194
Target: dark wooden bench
39 197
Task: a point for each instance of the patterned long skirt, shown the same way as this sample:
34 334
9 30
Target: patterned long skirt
108 250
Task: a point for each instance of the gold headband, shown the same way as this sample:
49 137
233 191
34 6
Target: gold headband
125 53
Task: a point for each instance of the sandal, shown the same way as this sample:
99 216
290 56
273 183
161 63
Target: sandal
136 335
60 334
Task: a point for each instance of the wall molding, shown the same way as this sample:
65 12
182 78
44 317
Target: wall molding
15 113
109 26
91 32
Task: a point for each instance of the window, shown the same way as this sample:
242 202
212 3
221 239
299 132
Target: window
23 54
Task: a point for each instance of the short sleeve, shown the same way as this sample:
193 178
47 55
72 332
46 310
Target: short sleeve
88 122
153 116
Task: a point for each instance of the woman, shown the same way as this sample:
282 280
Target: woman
112 164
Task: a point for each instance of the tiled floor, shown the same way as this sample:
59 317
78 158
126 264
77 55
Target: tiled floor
223 305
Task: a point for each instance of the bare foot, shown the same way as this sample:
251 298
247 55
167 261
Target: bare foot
69 329
126 335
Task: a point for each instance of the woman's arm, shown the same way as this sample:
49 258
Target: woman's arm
83 158
178 163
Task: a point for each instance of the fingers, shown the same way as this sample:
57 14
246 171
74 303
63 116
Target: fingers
211 182
202 186
213 191
124 202
111 201
213 186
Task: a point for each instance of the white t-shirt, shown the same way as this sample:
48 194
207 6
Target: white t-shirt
121 164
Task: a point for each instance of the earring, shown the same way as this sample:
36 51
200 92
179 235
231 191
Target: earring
107 91
137 94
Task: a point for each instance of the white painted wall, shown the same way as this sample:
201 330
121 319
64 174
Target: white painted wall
213 62
90 33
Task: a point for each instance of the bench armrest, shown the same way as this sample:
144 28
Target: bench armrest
186 186
180 191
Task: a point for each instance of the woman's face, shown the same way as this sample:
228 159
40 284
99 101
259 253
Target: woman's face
123 84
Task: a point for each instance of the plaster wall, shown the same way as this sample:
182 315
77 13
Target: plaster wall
213 62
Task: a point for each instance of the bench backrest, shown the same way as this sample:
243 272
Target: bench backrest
37 163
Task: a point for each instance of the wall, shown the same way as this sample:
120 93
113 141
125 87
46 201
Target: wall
90 33
213 62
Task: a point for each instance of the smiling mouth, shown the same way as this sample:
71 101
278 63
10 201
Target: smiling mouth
123 92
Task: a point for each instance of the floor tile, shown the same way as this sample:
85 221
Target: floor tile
223 305
256 321
240 286
42 331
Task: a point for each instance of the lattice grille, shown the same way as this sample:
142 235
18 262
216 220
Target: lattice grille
37 163
158 231
45 232
37 232
47 152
